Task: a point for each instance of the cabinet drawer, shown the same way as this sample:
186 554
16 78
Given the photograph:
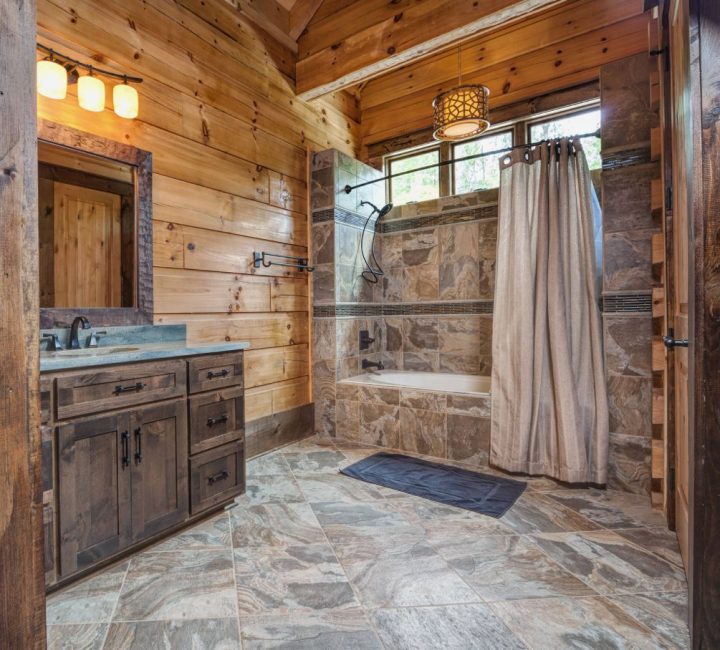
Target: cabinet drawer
86 392
215 371
216 476
216 418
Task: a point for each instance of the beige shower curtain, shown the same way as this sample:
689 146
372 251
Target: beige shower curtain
549 404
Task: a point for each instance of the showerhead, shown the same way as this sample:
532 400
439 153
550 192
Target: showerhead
381 211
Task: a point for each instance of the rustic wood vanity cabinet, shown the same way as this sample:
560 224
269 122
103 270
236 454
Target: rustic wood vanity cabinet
133 451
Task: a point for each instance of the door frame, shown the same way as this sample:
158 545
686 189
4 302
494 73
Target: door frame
704 329
703 187
22 588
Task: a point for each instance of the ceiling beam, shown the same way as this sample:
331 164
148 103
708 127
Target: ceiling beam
401 32
301 14
268 15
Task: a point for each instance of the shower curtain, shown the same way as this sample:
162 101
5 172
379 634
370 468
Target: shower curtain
549 403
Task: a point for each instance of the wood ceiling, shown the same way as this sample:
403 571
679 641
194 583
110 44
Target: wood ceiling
396 55
558 48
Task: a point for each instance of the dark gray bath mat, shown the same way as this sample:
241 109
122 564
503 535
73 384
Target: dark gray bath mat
483 493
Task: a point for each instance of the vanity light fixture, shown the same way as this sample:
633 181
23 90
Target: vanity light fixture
57 70
462 112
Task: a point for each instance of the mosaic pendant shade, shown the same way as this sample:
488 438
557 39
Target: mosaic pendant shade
461 113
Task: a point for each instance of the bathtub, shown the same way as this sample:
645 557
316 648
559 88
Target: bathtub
432 381
442 415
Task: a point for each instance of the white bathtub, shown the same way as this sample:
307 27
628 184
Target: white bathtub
432 381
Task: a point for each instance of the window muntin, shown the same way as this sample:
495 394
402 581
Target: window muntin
481 173
569 125
420 186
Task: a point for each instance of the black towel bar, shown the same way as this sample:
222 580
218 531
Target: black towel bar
300 263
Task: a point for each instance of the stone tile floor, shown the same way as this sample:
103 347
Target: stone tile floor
312 559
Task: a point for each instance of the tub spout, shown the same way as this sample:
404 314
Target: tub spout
366 363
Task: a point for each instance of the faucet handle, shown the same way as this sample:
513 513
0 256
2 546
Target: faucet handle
53 342
92 340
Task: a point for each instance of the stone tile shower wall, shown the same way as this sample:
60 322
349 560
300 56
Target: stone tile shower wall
437 293
338 290
432 309
628 227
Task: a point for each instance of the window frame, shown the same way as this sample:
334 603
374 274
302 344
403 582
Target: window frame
519 130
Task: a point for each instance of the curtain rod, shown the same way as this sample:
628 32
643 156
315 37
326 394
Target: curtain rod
349 188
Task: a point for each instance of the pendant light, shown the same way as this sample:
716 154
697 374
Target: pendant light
125 101
91 93
52 79
462 112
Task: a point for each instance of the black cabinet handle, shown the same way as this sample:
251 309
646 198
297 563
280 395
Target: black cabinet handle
119 390
220 476
138 445
216 375
221 420
125 449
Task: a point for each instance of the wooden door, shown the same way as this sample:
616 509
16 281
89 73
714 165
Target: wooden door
93 490
679 264
88 240
159 467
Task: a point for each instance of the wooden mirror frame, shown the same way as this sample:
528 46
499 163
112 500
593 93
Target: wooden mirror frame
142 312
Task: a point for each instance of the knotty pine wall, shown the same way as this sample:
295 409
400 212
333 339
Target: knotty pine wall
229 143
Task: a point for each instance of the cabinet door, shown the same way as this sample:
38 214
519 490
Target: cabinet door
159 467
93 491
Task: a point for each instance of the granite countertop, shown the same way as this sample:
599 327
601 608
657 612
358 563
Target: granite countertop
129 345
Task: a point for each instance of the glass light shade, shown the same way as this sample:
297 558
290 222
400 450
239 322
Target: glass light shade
125 101
461 113
51 79
91 94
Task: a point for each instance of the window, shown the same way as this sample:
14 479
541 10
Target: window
483 173
420 186
568 125
479 173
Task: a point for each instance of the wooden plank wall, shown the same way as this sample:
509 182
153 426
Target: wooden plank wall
22 599
229 141
558 48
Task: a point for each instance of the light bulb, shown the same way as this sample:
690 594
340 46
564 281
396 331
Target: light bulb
51 79
91 94
125 101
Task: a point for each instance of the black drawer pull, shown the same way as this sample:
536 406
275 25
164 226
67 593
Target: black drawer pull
138 445
216 375
221 420
125 449
119 390
220 476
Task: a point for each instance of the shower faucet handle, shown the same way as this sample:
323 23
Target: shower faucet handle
365 339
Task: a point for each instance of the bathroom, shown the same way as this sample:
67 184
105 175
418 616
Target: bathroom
359 324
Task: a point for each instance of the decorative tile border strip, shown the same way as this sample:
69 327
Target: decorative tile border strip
626 303
403 309
628 158
350 218
440 219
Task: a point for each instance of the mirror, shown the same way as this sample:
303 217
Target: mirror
87 229
95 229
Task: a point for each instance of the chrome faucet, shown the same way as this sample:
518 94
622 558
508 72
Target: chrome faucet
77 322
366 363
